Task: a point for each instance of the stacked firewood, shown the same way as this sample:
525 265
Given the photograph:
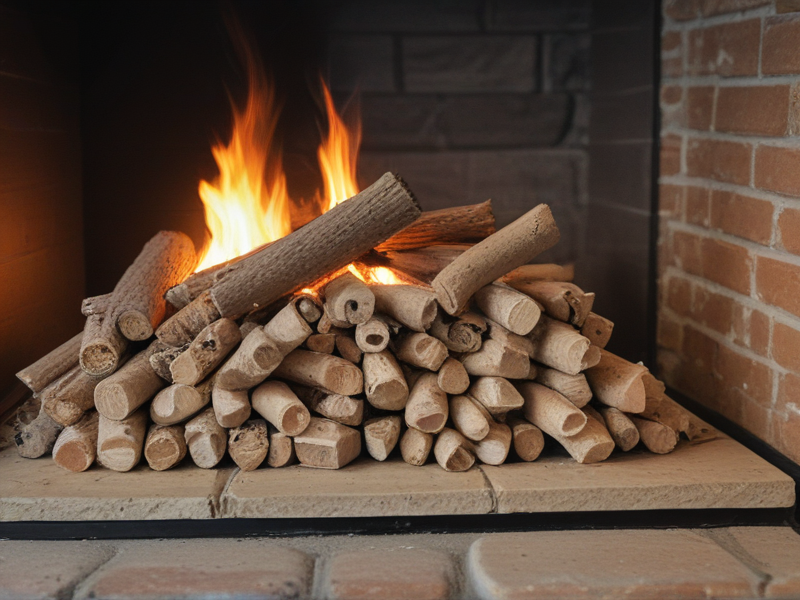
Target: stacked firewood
284 354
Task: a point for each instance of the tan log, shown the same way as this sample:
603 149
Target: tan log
411 305
592 444
512 246
420 350
519 342
120 442
252 362
561 300
279 405
657 437
459 334
348 300
70 396
347 346
618 383
372 336
597 329
559 346
622 430
653 388
248 444
411 374
470 418
381 435
540 272
665 410
497 360
288 329
324 325
427 408
528 438
231 407
162 357
309 307
185 325
281 449
452 451
326 244
342 409
330 373
119 395
493 449
504 305
574 388
496 394
207 440
453 377
550 411
52 365
206 352
76 446
533 372
384 383
102 346
247 327
165 446
321 342
179 401
415 446
421 265
36 438
96 305
326 444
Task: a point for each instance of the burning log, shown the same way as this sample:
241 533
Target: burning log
562 301
618 383
70 396
206 352
372 335
511 247
381 435
509 308
427 408
550 411
248 444
415 446
119 395
657 437
493 449
321 342
462 334
165 446
231 407
36 438
597 329
327 445
207 440
453 452
179 401
497 360
496 395
384 383
622 429
185 325
276 402
52 365
420 350
281 449
470 418
574 388
342 409
410 305
528 439
76 446
324 371
120 442
348 301
560 347
453 377
421 264
540 272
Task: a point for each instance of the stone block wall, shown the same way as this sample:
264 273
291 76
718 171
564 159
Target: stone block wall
729 247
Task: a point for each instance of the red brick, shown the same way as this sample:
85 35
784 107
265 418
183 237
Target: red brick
779 53
789 227
727 49
777 169
778 284
737 371
671 54
712 310
751 329
788 434
670 333
700 349
682 10
727 264
699 107
719 159
754 417
670 200
718 7
697 205
670 155
686 252
757 110
786 346
679 296
672 109
742 216
788 393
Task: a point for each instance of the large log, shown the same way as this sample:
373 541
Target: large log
540 272
421 264
323 246
52 365
182 327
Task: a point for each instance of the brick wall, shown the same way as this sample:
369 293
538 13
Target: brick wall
729 246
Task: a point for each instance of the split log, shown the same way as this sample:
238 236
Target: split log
206 352
326 244
559 346
248 444
513 310
493 449
512 246
102 346
37 438
276 402
70 396
381 435
162 358
119 395
519 342
496 360
592 444
574 388
281 449
420 350
420 264
411 305
330 373
453 377
342 409
206 439
622 430
326 444
321 342
348 300
186 324
455 225
347 346
528 438
179 401
251 363
562 301
231 407
52 365
452 451
165 446
372 336
618 383
496 395
288 329
385 386
550 411
540 272
120 442
470 418
657 437
415 446
427 408
76 446
460 334
597 329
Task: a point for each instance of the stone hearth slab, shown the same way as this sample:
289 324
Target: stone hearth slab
720 473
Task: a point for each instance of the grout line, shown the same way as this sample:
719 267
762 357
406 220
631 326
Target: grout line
75 590
722 186
703 22
491 489
215 501
730 80
726 540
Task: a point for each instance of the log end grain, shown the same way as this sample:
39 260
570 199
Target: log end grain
135 325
